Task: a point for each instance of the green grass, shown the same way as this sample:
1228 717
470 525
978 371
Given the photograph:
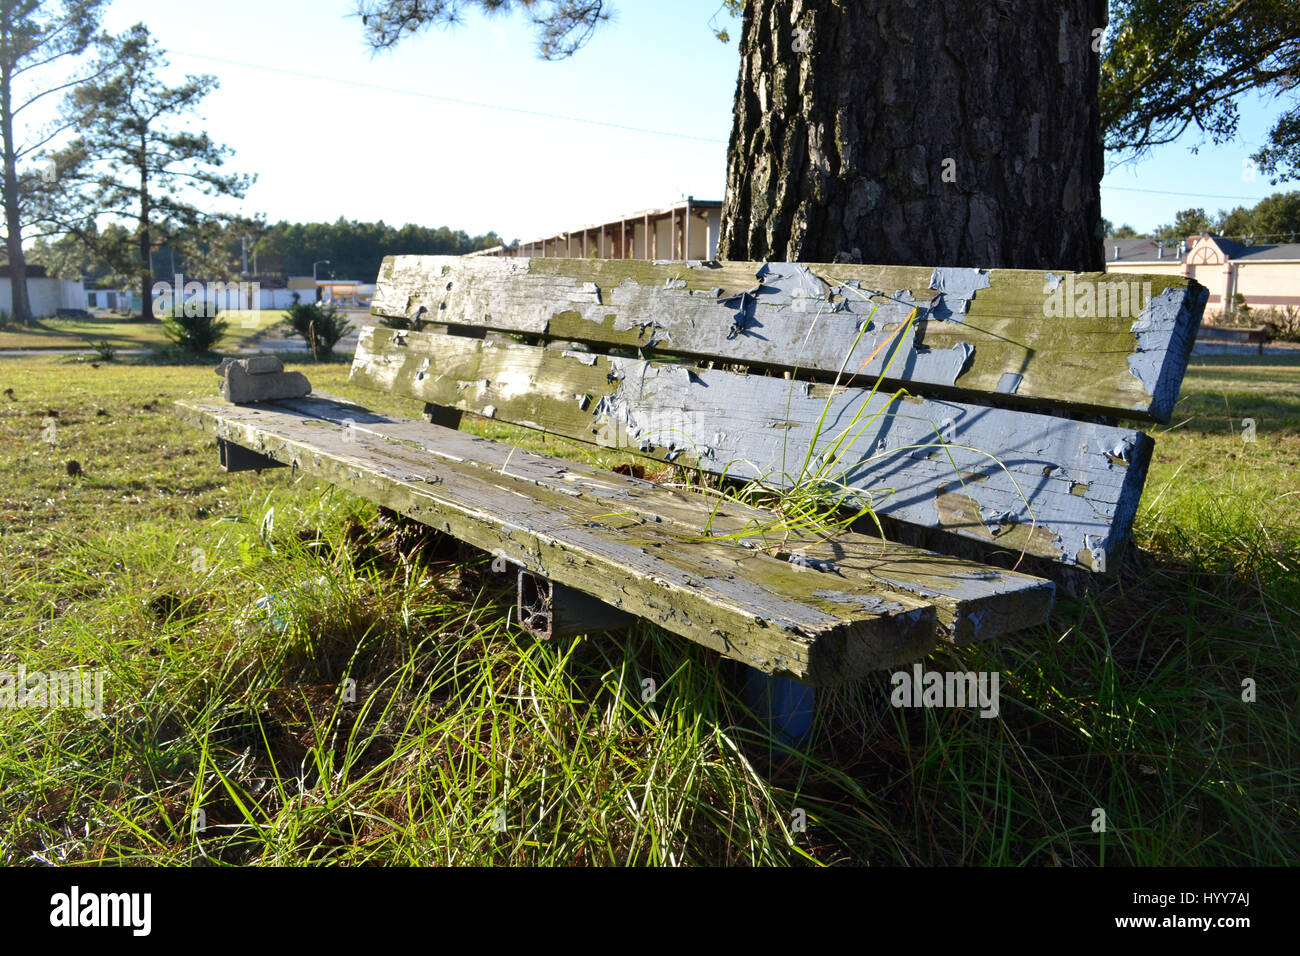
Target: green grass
464 741
123 332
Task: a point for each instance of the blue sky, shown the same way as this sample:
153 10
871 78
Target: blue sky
321 120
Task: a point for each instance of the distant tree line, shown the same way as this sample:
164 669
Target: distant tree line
217 251
354 249
1275 219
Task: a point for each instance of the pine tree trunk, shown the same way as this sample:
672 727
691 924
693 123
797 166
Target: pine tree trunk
19 306
144 239
937 133
146 276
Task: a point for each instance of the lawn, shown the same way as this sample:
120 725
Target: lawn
289 678
124 333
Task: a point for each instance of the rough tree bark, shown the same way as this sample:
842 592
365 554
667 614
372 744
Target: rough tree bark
943 132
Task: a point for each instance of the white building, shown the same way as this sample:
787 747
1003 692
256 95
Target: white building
44 295
1264 276
114 300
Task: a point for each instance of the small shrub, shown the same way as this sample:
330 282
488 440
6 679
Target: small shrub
1283 323
195 334
320 328
105 349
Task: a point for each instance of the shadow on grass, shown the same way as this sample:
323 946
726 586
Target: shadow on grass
1220 391
1164 701
1130 701
173 355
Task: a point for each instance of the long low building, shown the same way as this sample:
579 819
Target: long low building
45 294
685 230
1265 276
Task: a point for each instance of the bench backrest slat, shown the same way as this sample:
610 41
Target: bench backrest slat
1093 344
965 402
1054 487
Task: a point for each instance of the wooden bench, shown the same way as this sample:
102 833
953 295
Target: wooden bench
1213 334
1006 438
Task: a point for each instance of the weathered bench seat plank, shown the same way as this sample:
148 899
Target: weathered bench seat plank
1111 345
854 605
1051 487
973 601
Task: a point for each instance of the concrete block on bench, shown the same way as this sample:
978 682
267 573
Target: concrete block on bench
261 378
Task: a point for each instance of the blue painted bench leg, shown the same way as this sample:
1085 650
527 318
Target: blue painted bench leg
785 705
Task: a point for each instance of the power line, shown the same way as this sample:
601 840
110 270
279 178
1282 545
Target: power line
1165 192
1253 236
575 119
581 119
1263 236
449 99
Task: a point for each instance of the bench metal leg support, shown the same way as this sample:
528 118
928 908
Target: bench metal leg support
442 415
238 458
548 610
783 704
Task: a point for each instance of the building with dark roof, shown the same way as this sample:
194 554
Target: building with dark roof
1265 276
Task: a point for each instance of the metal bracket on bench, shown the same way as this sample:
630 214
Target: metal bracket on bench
442 415
548 609
238 458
